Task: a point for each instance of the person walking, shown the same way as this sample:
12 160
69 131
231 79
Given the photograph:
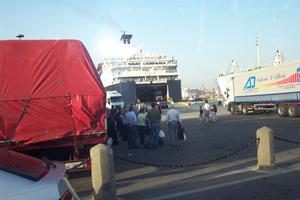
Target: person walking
118 118
214 113
154 117
142 125
206 111
200 113
173 119
111 127
124 127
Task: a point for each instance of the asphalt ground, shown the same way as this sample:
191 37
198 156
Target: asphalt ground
204 166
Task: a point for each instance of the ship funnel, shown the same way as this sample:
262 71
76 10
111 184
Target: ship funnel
126 38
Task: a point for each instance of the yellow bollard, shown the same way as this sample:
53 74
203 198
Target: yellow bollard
265 151
103 177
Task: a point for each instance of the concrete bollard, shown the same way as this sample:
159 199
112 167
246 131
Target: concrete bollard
265 151
103 177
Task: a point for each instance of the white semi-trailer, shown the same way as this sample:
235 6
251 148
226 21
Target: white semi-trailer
264 88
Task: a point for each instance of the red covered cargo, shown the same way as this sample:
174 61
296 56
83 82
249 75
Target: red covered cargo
50 94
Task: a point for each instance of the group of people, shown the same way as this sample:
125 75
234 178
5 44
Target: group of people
208 112
141 127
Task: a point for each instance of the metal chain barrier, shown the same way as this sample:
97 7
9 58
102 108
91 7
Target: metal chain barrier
286 140
253 142
82 164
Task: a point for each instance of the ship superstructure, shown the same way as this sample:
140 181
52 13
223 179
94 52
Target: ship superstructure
141 68
146 76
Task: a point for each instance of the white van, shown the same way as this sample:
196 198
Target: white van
114 99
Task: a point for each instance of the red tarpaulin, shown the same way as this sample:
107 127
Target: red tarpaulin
49 90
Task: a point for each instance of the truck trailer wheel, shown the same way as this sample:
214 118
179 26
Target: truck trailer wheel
245 109
282 110
293 110
231 108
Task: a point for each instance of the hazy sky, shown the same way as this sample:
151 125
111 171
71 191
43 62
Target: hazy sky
203 35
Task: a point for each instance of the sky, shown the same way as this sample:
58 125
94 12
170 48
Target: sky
203 35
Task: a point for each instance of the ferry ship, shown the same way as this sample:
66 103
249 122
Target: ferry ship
139 75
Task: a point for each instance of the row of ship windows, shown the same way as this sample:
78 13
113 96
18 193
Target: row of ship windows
139 58
145 79
148 58
139 63
153 63
168 68
144 72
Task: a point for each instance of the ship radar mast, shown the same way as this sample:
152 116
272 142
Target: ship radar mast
234 67
126 38
278 59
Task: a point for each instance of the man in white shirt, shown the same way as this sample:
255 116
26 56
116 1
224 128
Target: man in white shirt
206 110
173 118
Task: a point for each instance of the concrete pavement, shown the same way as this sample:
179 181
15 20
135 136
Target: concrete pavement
214 180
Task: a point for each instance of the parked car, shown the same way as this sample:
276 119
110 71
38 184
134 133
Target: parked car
25 177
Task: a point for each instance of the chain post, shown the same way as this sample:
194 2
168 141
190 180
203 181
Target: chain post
265 150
